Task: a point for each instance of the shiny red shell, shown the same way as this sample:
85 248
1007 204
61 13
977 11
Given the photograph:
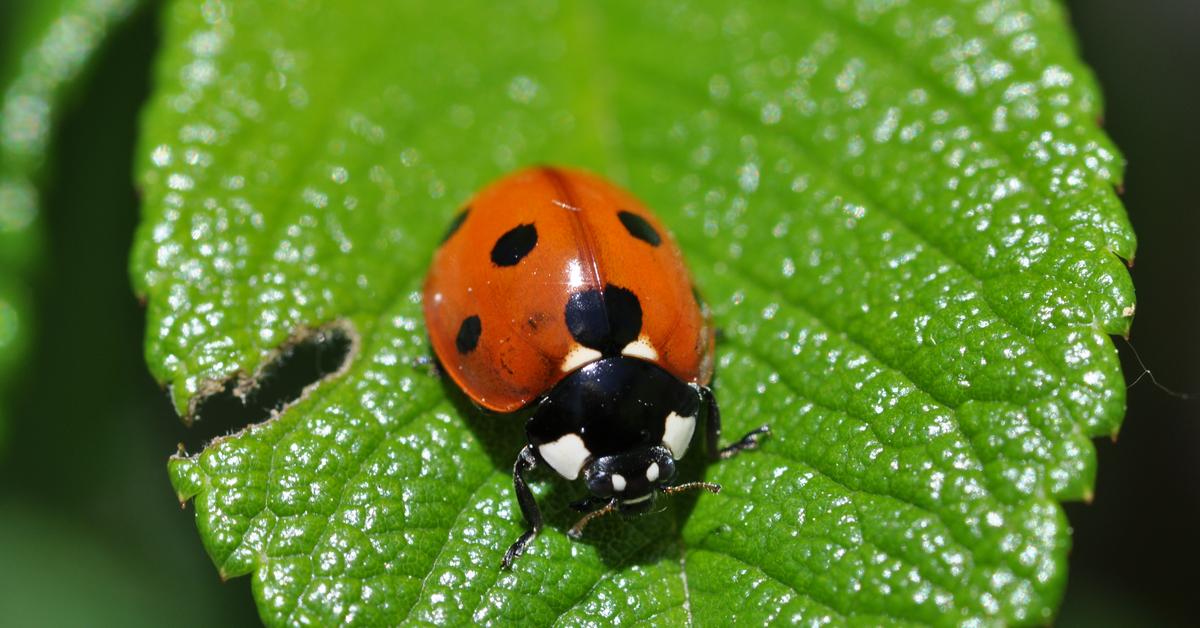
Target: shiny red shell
590 234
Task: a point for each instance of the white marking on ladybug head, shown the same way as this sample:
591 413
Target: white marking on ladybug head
641 348
578 356
565 455
618 481
677 434
652 471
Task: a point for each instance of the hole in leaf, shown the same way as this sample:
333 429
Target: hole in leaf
300 364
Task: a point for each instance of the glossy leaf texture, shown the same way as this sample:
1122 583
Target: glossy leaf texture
43 52
903 213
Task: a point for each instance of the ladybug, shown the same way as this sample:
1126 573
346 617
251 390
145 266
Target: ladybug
556 291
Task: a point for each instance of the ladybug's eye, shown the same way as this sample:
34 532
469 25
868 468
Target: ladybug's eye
661 470
603 484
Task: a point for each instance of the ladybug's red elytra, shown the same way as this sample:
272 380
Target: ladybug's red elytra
557 290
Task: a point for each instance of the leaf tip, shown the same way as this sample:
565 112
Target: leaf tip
187 478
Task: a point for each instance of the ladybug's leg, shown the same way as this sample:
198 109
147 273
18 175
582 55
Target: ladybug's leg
713 421
529 508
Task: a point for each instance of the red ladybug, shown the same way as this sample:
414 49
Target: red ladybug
557 290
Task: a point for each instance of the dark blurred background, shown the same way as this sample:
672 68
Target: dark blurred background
1137 545
88 520
90 531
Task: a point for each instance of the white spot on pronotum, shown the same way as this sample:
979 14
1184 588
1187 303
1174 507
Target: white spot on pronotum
578 356
641 348
677 434
565 455
618 481
652 471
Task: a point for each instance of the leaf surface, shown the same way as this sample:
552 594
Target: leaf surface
903 214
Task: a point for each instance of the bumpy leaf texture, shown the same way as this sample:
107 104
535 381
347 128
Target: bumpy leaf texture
903 213
42 54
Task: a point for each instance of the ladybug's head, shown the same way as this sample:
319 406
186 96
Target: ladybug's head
628 483
632 478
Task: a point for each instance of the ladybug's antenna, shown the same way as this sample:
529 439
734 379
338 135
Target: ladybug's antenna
691 486
576 530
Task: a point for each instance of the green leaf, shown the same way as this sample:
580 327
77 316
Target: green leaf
903 213
43 53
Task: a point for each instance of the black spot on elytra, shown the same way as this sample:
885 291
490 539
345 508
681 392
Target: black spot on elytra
468 334
455 223
512 247
605 321
639 228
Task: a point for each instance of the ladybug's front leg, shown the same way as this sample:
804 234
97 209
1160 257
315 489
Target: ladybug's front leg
529 508
713 423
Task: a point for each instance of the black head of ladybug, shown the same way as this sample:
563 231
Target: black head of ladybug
631 478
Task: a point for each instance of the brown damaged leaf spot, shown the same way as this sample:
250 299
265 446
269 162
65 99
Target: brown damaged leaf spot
311 356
